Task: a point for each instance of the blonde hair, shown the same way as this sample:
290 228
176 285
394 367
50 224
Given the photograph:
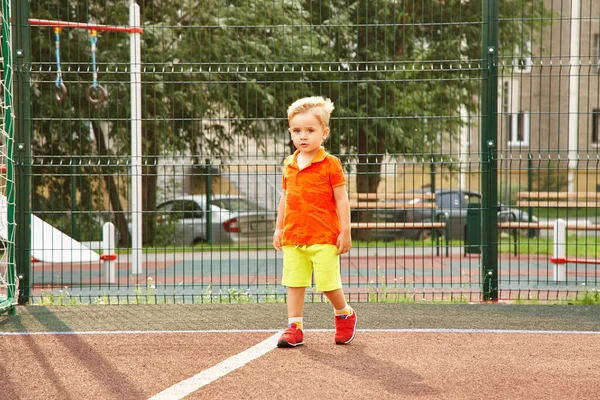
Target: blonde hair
321 105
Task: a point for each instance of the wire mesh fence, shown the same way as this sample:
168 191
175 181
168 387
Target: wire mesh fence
406 79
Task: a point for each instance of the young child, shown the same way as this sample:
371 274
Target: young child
313 221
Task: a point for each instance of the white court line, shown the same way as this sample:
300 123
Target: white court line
190 385
161 332
391 330
196 382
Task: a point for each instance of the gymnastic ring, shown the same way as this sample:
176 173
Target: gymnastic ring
102 94
60 92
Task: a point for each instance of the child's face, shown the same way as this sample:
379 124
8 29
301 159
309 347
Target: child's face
307 133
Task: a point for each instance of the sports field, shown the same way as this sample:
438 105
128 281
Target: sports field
428 351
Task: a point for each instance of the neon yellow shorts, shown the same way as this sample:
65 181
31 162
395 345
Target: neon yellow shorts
299 262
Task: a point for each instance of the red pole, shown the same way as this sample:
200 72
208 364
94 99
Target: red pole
85 25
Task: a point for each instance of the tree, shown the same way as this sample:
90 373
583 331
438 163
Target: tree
408 68
205 83
220 72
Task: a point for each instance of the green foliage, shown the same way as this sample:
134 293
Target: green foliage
219 72
581 297
164 235
589 297
62 298
214 71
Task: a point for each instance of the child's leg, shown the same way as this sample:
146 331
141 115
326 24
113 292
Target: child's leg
297 273
295 301
345 317
328 278
337 298
293 335
326 263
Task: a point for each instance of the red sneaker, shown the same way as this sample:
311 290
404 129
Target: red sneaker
345 328
292 337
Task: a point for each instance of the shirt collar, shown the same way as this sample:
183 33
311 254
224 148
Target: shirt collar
320 156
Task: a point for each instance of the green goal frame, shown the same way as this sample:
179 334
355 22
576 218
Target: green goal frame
8 275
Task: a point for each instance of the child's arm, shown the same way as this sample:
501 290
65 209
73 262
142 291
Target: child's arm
279 224
344 241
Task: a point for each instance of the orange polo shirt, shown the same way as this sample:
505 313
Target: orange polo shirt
310 209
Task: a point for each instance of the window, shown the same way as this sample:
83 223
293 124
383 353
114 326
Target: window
236 204
448 200
518 128
523 63
595 126
186 209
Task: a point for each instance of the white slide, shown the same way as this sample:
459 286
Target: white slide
48 244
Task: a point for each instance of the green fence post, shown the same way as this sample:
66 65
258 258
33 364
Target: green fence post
208 182
74 214
489 138
22 105
432 188
530 232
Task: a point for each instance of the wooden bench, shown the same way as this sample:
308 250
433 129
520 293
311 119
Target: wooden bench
392 196
401 201
374 201
559 199
397 225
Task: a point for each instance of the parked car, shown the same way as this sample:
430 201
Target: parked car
451 205
233 219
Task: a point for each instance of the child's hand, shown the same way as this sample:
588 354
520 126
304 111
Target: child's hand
277 238
344 242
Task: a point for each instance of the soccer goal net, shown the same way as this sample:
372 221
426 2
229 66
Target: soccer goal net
8 276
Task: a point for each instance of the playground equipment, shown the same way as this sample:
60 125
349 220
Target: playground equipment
559 254
48 244
60 89
96 94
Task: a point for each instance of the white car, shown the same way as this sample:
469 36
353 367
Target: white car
231 218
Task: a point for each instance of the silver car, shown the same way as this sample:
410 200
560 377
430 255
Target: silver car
230 218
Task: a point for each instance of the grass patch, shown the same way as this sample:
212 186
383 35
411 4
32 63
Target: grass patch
571 212
583 297
396 292
577 246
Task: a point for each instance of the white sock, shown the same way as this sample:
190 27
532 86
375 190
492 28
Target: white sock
296 320
346 310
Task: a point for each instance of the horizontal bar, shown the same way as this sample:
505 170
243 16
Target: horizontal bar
583 260
390 205
85 25
397 225
502 225
559 204
559 195
393 196
547 225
